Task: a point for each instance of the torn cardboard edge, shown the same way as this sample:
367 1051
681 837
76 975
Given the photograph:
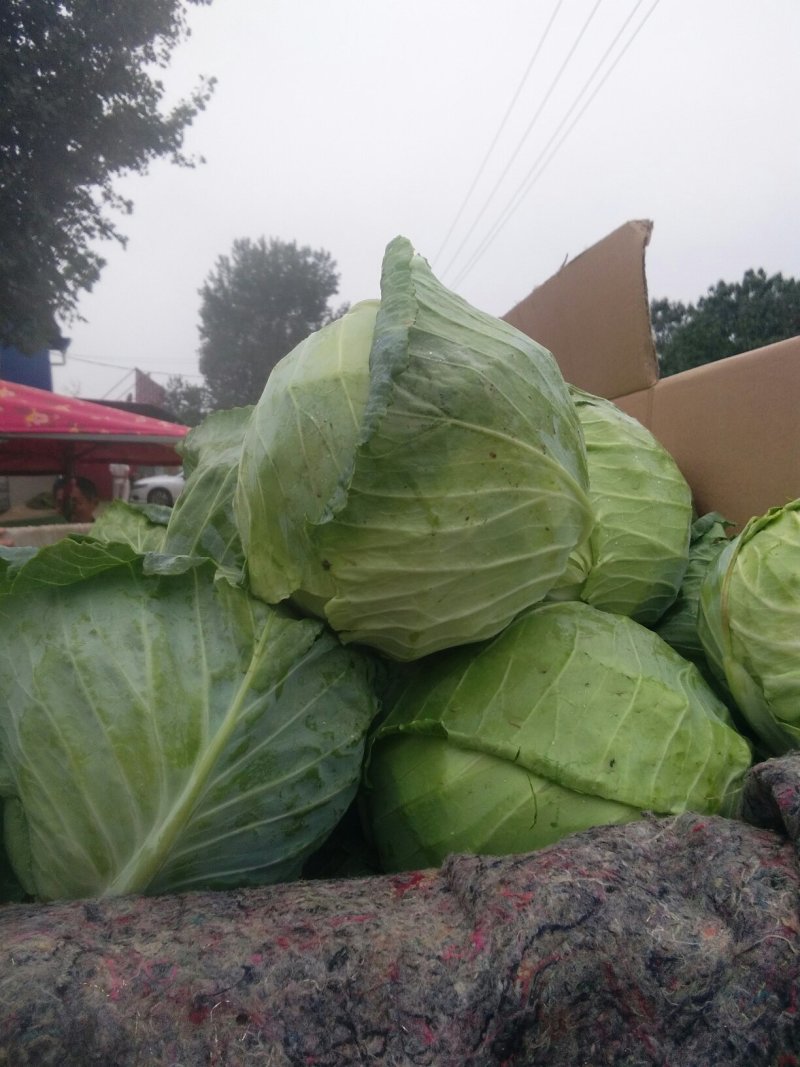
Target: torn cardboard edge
594 315
732 426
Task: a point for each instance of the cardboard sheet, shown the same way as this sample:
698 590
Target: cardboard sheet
732 426
594 315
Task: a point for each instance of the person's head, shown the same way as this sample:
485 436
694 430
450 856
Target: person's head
83 500
76 498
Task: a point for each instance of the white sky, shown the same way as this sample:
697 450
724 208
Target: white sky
342 123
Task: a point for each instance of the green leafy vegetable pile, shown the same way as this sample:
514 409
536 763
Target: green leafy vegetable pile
422 597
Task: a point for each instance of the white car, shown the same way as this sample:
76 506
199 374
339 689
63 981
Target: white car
157 489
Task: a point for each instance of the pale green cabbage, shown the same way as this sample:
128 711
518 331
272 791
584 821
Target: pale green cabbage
166 731
570 718
414 472
636 558
749 624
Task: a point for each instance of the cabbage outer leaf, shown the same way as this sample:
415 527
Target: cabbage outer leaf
298 446
170 732
436 798
422 499
202 522
678 625
143 527
749 624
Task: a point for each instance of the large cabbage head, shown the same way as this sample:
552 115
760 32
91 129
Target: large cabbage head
749 624
570 718
414 472
636 557
164 730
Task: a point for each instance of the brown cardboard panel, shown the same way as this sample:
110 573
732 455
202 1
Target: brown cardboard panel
733 427
594 315
639 405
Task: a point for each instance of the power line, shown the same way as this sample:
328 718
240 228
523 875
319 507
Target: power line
118 385
95 362
130 370
551 88
500 129
534 174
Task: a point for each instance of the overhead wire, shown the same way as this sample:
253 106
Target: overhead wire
540 164
129 371
542 104
498 132
118 385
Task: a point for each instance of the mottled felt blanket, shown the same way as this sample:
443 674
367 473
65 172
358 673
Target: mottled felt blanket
673 942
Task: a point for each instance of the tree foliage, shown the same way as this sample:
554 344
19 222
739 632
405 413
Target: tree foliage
730 318
187 402
257 304
81 104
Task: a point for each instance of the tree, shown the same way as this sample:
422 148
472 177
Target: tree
186 402
80 106
729 319
257 304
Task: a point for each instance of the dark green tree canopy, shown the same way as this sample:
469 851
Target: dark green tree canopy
730 318
80 104
257 304
186 402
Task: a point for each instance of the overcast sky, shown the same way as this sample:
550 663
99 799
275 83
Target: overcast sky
499 137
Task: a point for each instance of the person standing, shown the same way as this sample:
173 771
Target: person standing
120 481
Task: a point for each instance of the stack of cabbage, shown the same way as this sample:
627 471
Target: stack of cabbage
421 567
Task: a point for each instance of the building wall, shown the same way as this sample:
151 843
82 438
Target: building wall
33 370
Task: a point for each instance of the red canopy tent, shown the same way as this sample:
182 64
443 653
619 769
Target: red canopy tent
44 433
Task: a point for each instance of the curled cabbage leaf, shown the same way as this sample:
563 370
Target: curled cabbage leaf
414 472
571 717
749 624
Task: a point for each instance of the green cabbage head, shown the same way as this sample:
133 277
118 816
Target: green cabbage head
414 472
164 730
570 718
636 558
749 624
